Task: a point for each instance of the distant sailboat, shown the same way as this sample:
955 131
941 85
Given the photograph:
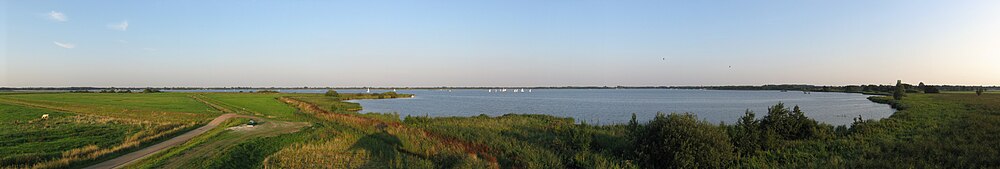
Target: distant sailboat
369 90
522 90
529 90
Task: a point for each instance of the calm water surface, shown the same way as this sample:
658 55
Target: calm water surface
605 106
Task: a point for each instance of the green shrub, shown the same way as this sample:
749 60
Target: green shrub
332 93
681 141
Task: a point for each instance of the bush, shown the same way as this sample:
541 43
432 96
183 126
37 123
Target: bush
790 125
332 93
746 134
681 141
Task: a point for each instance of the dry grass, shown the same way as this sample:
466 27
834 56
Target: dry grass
414 141
336 153
93 152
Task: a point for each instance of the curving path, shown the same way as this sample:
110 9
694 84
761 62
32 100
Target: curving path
135 156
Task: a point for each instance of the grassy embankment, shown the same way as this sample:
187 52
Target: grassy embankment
333 141
86 128
374 141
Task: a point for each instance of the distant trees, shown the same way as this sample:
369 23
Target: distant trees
900 90
851 88
979 92
150 90
928 88
932 89
332 93
115 91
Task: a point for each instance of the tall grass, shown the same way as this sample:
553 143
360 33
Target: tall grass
400 139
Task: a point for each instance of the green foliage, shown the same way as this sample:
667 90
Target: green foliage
536 141
900 90
895 104
789 125
150 90
681 141
332 93
746 134
979 92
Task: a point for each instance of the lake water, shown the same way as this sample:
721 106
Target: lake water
606 106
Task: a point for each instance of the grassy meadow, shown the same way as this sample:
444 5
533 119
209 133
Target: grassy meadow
27 139
946 130
84 128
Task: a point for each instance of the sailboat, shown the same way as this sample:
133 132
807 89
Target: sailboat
369 90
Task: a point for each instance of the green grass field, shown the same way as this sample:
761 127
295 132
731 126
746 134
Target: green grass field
27 139
86 127
174 107
256 104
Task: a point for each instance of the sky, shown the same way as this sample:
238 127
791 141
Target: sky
187 43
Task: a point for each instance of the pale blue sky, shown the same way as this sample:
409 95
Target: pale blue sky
497 43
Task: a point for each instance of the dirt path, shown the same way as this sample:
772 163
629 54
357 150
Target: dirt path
135 156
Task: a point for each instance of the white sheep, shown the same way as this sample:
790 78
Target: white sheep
45 116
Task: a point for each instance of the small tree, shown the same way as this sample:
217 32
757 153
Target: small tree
746 134
900 90
332 93
979 92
